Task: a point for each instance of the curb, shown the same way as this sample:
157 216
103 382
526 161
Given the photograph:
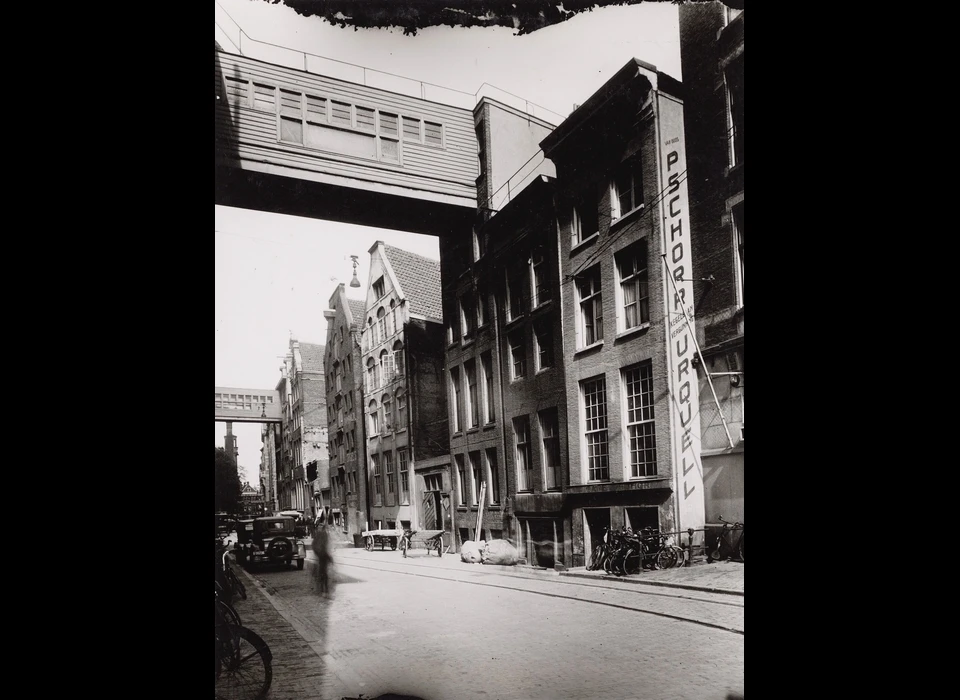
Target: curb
664 584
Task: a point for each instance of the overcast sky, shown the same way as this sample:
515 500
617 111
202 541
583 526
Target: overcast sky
275 274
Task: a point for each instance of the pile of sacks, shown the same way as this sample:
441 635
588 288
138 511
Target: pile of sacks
498 552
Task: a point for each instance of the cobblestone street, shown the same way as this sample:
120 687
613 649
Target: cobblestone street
441 629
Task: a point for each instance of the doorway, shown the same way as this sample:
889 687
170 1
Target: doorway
595 522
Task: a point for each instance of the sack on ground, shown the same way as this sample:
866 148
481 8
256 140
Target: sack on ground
470 552
500 552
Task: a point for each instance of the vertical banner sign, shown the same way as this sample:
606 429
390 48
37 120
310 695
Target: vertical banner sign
678 298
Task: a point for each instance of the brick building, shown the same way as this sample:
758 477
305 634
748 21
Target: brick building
407 445
626 300
345 418
505 375
269 441
303 429
711 54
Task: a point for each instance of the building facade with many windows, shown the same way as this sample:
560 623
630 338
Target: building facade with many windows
711 55
630 388
345 415
407 444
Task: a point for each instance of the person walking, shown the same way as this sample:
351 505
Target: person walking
321 547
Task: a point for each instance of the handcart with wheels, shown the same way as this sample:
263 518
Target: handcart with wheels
431 540
381 538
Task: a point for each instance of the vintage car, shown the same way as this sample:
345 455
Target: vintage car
269 541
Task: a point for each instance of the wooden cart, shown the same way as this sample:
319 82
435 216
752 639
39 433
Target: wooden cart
431 540
383 538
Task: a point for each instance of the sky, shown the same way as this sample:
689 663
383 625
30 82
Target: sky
275 274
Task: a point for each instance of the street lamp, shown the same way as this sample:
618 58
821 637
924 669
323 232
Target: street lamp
354 282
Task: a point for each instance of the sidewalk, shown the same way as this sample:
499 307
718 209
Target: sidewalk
717 577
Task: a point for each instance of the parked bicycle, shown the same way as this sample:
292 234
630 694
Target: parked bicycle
728 549
229 581
600 552
244 661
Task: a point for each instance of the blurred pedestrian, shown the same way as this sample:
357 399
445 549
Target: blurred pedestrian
321 547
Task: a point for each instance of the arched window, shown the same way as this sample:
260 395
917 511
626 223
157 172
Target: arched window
388 426
381 325
368 341
386 366
374 418
392 318
398 357
371 374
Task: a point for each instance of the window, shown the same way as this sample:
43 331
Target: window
583 221
389 124
550 446
264 97
411 129
388 469
453 330
378 288
381 325
479 245
455 385
461 480
539 285
590 323
387 370
366 119
371 374
433 482
493 476
486 366
473 404
401 411
638 382
398 357
341 113
468 315
521 436
374 419
595 423
543 333
387 415
738 249
514 299
518 361
627 193
404 475
483 314
351 441
375 469
433 133
733 79
476 475
634 289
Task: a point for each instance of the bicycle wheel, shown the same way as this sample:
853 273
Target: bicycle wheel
666 558
403 547
608 563
245 665
631 562
228 613
681 556
236 585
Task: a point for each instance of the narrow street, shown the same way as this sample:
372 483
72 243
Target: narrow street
441 629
